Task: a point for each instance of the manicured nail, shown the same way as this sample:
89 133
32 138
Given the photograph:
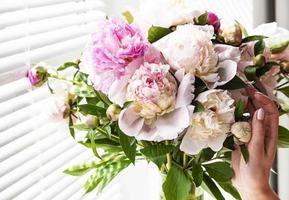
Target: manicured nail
260 114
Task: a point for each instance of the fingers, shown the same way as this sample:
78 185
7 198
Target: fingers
256 145
272 121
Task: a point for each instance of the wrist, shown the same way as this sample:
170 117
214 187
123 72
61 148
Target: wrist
259 194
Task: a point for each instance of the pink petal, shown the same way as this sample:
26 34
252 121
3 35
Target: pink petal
130 122
117 91
227 52
179 74
148 134
186 91
171 124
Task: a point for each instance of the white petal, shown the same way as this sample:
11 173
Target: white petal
171 124
186 91
180 74
227 52
227 71
130 122
216 143
202 97
117 91
148 134
191 110
192 146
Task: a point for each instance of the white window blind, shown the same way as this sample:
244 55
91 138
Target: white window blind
34 150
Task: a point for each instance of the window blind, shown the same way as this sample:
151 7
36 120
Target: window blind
34 150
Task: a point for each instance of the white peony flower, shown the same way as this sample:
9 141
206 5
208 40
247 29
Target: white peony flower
190 48
160 107
241 131
172 12
210 127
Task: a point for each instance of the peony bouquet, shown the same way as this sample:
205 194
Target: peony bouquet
173 94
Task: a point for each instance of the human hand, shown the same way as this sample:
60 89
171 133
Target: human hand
252 178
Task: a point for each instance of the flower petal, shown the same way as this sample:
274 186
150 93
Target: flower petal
130 122
117 91
148 134
171 124
191 145
216 143
227 52
186 89
227 71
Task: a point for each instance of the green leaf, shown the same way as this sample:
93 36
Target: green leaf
88 109
128 145
127 104
198 106
253 38
200 86
259 47
278 48
101 143
229 143
228 187
283 137
83 90
250 72
81 127
245 153
79 170
197 173
239 111
156 32
262 70
206 155
285 90
128 16
157 153
243 29
70 123
157 150
235 84
92 182
211 185
220 171
202 19
177 185
92 145
68 65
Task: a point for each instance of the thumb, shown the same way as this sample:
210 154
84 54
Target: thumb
257 142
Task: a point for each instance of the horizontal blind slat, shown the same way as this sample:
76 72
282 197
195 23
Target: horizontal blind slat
32 14
36 41
44 25
8 5
32 178
14 89
32 151
54 177
12 62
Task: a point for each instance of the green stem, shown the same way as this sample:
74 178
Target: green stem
59 77
169 158
185 160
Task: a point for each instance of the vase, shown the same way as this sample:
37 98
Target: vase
196 194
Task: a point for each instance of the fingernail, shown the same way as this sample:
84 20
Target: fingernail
260 114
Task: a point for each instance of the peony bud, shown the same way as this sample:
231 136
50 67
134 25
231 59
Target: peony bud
285 66
92 121
113 111
232 35
259 60
242 132
38 75
214 20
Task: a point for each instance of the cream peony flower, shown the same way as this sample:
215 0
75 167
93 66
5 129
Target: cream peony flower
160 107
190 48
173 12
241 131
210 127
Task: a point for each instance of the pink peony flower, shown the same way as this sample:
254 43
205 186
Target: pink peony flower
214 20
112 52
38 75
160 108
